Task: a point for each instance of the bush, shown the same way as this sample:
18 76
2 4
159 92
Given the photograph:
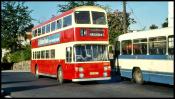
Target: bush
21 55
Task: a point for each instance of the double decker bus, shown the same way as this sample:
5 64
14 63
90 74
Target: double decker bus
72 46
146 56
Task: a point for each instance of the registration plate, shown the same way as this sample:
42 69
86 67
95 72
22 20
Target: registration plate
94 73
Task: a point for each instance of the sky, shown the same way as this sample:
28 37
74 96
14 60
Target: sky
144 13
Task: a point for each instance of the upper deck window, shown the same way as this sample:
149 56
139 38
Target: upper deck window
39 31
53 24
33 33
82 17
47 28
98 17
67 21
36 32
59 24
43 29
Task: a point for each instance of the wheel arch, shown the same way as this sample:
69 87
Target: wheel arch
134 68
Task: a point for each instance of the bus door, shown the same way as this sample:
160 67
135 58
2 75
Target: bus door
68 63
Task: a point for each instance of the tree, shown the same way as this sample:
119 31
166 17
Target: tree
165 24
153 26
115 24
73 4
16 20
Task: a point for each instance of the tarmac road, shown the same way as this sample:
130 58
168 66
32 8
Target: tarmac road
24 84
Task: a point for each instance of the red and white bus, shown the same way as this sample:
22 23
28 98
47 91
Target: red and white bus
72 46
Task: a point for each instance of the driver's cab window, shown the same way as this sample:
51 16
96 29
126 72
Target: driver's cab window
69 54
117 48
111 54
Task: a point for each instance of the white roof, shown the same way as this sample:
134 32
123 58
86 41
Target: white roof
146 34
89 8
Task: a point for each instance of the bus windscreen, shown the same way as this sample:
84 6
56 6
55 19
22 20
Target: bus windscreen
82 17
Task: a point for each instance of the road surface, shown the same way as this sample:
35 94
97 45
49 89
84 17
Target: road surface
24 84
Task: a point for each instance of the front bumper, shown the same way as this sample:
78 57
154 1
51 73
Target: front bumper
91 79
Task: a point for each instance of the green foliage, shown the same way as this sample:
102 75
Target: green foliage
73 4
20 55
153 26
115 23
16 20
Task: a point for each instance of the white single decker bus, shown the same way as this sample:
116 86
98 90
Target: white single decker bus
146 55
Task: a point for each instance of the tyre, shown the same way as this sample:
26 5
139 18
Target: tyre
137 76
36 72
60 75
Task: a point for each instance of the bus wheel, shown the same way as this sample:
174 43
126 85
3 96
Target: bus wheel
36 72
137 76
60 75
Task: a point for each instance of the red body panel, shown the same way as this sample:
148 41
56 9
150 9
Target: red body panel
69 72
69 36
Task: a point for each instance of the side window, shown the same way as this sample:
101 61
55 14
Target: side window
140 46
39 31
38 54
47 28
171 45
42 54
53 26
36 32
157 45
59 24
43 29
126 47
53 53
67 21
69 54
47 54
33 55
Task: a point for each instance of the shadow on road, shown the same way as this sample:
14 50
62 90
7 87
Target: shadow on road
11 82
23 88
158 84
115 78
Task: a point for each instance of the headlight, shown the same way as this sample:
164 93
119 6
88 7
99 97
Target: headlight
81 69
105 74
105 68
81 75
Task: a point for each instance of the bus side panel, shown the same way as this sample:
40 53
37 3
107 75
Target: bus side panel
69 71
154 70
162 78
34 43
32 67
67 35
126 73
